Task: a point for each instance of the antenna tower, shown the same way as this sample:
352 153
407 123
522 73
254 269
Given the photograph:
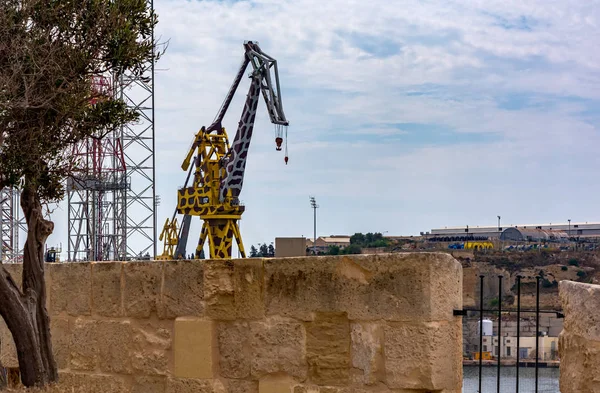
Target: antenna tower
111 196
12 226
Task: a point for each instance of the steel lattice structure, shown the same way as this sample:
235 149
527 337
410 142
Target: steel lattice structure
12 226
112 214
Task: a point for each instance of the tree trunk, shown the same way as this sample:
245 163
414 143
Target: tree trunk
25 312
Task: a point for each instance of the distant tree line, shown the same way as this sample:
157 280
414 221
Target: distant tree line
358 241
263 251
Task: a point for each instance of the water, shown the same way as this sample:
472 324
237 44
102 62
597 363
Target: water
547 380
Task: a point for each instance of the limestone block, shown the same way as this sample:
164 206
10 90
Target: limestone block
393 287
581 303
70 288
8 352
193 348
106 289
16 273
149 385
424 355
278 345
115 346
84 348
241 386
328 349
219 289
183 289
234 349
249 288
86 383
276 384
367 352
152 342
61 338
142 288
187 385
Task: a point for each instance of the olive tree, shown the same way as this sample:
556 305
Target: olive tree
51 51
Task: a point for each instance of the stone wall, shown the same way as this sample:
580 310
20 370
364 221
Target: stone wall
379 323
579 342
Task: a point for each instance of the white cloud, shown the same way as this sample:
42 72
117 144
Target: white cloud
451 64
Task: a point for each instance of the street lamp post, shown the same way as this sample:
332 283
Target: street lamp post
569 228
313 204
499 223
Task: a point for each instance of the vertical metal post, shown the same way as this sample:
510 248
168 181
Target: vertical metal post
313 204
499 330
537 328
518 327
481 330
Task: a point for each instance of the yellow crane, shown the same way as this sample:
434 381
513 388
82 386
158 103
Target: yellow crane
218 167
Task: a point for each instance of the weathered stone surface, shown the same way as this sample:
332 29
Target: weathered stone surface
425 355
249 288
106 289
152 342
241 386
394 287
70 288
367 352
61 337
142 288
115 346
87 383
219 289
328 349
234 349
187 385
579 342
149 385
16 272
84 348
183 289
193 348
106 345
275 384
278 345
581 303
8 352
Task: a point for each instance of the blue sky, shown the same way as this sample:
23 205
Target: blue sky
404 115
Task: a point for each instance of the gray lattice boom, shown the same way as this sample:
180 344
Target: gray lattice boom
12 226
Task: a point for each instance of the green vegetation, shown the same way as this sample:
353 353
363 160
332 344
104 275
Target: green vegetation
564 268
549 284
351 249
369 240
263 251
573 262
581 273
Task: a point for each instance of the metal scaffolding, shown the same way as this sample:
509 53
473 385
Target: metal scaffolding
111 196
12 226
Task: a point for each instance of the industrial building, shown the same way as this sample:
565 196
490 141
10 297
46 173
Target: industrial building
535 232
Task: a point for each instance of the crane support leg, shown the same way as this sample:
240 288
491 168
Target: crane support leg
220 233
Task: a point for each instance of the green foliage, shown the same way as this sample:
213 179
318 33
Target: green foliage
494 302
564 268
573 262
50 53
351 249
263 251
333 250
581 273
369 240
253 252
